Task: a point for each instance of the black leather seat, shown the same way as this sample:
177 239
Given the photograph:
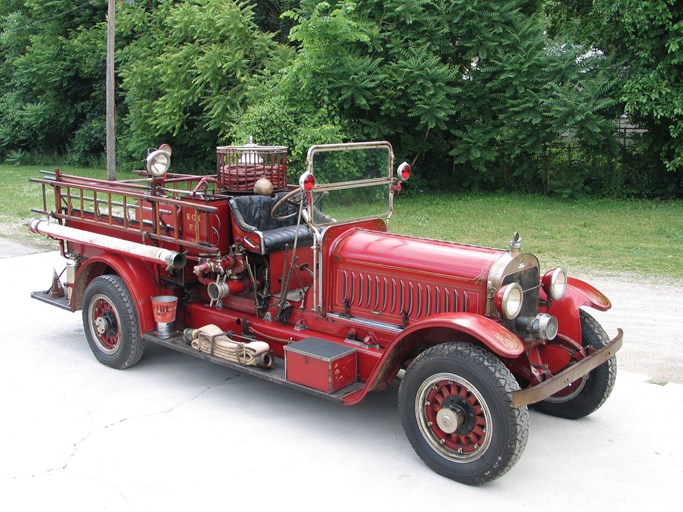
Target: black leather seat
252 214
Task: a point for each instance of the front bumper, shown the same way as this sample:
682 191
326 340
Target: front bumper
563 379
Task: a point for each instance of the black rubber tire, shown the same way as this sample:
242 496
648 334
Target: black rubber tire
597 385
111 323
443 374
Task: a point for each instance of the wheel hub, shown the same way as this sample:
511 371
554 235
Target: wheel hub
448 420
453 417
105 324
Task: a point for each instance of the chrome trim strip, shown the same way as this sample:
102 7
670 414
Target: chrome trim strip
367 323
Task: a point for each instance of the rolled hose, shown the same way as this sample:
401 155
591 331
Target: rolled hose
210 339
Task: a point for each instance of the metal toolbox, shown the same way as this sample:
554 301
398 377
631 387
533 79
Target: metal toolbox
320 364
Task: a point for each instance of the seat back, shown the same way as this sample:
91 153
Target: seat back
252 213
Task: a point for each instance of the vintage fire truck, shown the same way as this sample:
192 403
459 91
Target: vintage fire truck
305 287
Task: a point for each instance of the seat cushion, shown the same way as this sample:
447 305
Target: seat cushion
276 239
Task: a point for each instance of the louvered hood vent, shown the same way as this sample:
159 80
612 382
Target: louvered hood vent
397 279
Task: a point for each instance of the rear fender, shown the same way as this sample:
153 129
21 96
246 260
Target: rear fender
442 328
566 310
138 276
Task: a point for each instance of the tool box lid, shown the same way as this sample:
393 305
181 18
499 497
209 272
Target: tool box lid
319 348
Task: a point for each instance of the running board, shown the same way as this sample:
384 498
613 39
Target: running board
44 296
275 374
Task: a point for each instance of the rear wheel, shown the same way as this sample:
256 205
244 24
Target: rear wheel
587 394
111 323
455 402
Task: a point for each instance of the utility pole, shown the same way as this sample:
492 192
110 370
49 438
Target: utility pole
111 106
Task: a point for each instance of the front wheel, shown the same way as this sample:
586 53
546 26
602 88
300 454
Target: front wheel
455 403
111 324
587 394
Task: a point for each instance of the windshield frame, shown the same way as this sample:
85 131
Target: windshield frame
387 180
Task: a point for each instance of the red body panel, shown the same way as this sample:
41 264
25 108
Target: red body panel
140 279
443 328
578 294
320 365
383 276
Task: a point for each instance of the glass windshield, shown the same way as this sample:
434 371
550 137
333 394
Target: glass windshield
352 181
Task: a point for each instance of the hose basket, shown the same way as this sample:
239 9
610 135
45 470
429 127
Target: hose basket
238 168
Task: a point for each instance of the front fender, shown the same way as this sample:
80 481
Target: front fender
436 329
566 310
489 332
139 277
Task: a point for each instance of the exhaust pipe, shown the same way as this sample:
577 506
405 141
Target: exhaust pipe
151 253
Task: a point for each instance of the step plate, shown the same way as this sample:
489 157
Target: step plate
275 374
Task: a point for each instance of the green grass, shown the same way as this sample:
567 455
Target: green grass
591 234
18 195
603 235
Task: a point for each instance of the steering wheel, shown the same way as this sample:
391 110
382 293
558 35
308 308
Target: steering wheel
293 198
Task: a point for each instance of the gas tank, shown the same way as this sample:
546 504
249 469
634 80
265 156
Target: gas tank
397 278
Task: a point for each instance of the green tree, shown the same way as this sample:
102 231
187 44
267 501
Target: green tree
51 71
184 69
468 86
643 44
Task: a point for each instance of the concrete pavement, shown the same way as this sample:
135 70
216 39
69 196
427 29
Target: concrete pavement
177 433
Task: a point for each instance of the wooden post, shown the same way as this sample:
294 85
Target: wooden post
111 105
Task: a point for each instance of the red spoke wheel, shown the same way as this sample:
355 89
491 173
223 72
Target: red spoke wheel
111 323
453 416
104 323
455 402
584 396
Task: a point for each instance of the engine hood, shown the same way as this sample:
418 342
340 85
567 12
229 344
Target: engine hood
430 258
399 278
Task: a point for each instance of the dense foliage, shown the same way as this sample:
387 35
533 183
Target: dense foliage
51 78
642 47
480 94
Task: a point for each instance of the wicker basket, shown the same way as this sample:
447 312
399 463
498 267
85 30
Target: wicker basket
238 168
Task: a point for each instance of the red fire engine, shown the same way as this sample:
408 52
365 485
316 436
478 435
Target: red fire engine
305 287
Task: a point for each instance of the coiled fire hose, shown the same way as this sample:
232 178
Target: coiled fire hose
212 340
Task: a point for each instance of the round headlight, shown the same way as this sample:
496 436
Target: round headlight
158 162
509 299
555 283
544 327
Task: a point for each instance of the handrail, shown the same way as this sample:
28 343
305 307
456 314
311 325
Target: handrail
133 208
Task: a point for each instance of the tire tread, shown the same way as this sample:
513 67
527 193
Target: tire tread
504 383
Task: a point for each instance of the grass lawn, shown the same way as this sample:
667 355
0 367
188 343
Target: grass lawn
593 234
644 237
18 195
